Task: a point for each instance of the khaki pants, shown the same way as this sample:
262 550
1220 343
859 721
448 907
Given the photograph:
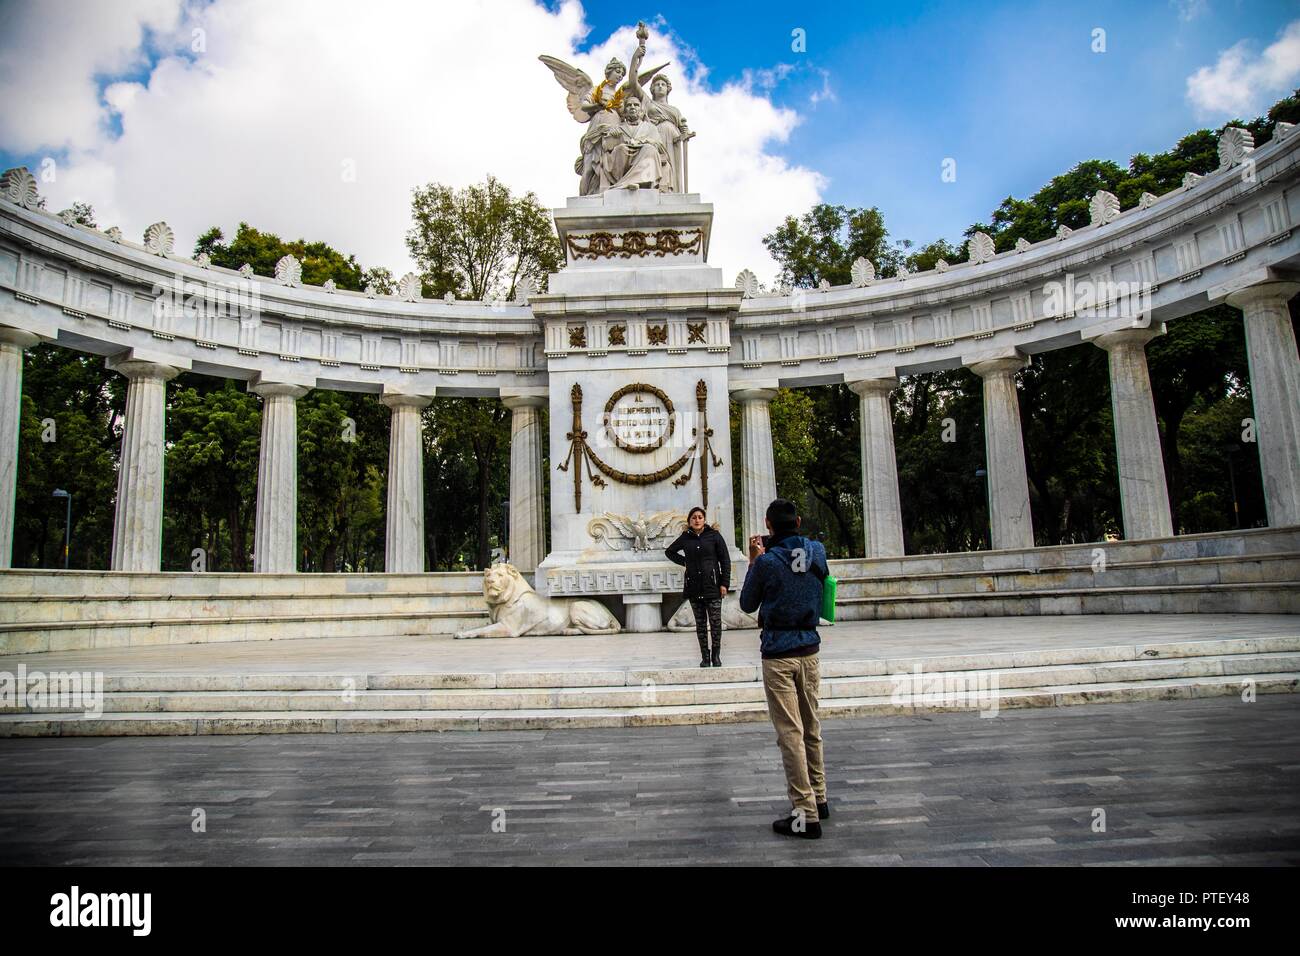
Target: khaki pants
791 685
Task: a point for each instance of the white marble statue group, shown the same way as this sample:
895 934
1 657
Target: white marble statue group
632 140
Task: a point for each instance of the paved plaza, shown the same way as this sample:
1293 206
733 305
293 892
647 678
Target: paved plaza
1198 782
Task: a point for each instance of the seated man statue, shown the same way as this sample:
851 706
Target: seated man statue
634 153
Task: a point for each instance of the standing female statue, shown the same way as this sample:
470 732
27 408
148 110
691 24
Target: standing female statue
672 126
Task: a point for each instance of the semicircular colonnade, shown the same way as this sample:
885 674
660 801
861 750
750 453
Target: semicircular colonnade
1224 237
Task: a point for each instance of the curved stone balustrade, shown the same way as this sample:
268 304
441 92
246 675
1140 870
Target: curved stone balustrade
85 289
1170 256
96 291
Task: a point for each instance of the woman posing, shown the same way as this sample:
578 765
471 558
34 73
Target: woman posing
703 552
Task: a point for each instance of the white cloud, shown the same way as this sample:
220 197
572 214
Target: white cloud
262 125
1241 83
50 57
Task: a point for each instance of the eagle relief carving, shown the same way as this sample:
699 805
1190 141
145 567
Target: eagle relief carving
625 533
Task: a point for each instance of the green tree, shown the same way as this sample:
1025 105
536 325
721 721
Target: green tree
82 214
210 473
262 250
480 240
69 436
342 456
477 432
824 243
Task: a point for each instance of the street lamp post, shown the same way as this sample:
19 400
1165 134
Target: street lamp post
1232 482
67 524
988 501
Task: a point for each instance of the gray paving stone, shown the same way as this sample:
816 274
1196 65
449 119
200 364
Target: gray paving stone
1189 782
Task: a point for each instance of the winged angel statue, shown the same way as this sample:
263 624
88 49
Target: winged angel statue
631 141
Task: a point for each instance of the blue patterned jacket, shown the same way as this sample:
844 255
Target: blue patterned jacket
788 601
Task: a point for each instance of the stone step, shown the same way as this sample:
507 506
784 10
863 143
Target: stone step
1282 567
349 698
227 722
19 612
1227 648
506 690
84 635
37 584
1244 598
1218 545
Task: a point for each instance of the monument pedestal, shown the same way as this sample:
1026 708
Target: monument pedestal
637 331
644 612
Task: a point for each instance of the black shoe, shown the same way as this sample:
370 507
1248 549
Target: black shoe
811 830
704 653
717 654
823 811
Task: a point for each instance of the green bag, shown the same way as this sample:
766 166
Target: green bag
829 585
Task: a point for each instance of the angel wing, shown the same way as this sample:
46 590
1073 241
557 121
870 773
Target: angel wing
575 82
648 75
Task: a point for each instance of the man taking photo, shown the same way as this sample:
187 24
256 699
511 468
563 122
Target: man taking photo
784 584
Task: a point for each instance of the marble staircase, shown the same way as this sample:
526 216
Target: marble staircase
1255 571
143 703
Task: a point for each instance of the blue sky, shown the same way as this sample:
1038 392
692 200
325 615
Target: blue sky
1011 91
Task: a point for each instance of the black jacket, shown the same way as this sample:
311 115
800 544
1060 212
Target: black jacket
707 563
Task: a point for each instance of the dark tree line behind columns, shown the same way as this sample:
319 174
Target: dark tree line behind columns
1198 370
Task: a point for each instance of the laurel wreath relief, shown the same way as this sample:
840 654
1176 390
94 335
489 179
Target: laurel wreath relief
580 452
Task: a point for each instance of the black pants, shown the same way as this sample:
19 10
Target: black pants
714 611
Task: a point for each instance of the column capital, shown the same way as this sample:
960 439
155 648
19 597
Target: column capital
746 395
870 386
19 337
1280 292
138 368
513 402
1120 338
396 400
267 389
1004 365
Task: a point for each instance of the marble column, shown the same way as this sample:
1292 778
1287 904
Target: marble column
138 519
404 543
1010 520
1275 393
527 545
1143 493
275 543
757 467
12 343
882 515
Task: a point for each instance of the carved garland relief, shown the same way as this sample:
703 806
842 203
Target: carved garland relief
635 243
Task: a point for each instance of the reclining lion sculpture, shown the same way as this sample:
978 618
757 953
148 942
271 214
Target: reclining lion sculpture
516 610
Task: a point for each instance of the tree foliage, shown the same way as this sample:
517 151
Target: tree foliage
262 250
480 241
